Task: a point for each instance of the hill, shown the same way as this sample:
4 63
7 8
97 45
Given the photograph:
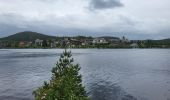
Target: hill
27 36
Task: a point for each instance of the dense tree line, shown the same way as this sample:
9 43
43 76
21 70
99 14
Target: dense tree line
155 44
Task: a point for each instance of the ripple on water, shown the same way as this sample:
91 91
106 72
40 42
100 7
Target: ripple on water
108 74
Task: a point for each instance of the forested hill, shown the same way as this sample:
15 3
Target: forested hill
27 36
159 42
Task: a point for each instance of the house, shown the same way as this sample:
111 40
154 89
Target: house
134 45
75 42
38 42
87 42
22 44
63 43
53 43
99 41
29 44
111 39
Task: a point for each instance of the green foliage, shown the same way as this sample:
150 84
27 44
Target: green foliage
65 83
157 43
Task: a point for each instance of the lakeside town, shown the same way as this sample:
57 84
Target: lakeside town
73 42
36 40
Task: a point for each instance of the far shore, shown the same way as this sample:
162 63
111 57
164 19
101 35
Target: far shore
84 48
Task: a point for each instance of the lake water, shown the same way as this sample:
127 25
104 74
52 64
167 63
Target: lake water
108 74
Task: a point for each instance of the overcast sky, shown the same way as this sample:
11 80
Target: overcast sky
136 19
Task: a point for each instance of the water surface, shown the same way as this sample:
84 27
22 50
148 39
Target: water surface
108 74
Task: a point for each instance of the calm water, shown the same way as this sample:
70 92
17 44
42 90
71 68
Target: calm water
108 74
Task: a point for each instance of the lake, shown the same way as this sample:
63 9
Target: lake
108 74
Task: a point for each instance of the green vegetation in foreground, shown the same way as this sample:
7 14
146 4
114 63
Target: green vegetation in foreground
65 84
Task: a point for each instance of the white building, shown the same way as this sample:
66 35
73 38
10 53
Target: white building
99 40
38 42
134 45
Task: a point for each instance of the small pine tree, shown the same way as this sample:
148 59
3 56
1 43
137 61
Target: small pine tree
65 84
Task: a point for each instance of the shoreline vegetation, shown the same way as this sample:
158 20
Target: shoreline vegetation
88 48
65 83
33 40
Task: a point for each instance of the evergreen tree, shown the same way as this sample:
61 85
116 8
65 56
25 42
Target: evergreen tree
65 84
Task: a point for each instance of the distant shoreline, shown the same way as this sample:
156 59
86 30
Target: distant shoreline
85 48
34 40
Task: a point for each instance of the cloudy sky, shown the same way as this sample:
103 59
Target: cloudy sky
136 19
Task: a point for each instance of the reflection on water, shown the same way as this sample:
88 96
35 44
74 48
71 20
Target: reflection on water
27 55
108 91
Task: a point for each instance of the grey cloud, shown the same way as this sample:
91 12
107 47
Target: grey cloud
61 31
99 24
127 20
104 4
11 23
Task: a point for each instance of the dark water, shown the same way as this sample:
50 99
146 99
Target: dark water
108 74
